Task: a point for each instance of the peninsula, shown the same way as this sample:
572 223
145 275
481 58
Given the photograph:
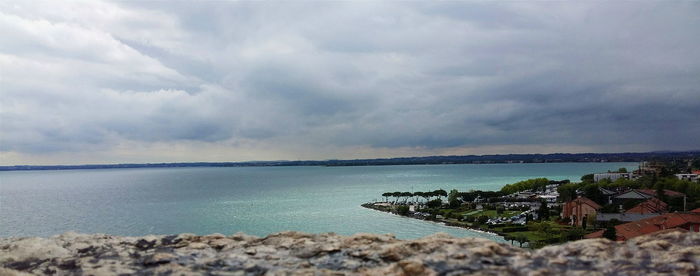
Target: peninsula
540 212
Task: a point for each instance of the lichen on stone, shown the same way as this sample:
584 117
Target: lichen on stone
296 253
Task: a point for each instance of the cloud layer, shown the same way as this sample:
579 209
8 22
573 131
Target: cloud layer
102 82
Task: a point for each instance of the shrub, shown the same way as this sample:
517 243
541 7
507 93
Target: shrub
515 229
610 233
402 210
435 203
574 234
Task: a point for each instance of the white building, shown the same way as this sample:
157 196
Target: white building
550 198
612 176
688 176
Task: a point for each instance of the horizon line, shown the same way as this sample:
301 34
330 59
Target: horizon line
252 162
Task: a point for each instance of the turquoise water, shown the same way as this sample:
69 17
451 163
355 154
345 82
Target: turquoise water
254 200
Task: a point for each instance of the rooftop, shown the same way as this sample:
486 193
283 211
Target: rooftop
633 229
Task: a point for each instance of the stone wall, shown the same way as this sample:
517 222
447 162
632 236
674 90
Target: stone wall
292 253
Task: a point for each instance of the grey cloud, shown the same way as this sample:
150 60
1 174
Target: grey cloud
385 75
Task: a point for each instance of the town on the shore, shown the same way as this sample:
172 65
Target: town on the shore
618 205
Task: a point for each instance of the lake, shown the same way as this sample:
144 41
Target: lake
254 200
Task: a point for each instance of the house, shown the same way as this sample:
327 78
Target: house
646 194
688 176
612 176
579 209
626 231
605 217
607 193
633 194
651 206
668 193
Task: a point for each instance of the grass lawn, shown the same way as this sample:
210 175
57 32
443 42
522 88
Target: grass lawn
493 214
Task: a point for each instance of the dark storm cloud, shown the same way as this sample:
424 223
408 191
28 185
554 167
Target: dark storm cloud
597 75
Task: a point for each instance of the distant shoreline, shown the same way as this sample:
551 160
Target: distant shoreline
440 221
429 160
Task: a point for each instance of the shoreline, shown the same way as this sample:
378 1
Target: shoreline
530 158
439 221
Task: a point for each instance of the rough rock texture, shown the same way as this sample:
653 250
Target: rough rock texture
294 253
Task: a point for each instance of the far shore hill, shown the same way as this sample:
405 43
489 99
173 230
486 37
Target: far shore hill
426 160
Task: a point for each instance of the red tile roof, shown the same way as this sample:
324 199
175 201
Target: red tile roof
695 210
666 192
653 205
645 226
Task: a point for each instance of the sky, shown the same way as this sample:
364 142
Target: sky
177 81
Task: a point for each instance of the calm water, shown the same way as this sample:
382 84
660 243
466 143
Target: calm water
258 201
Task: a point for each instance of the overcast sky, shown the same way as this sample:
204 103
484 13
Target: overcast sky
110 82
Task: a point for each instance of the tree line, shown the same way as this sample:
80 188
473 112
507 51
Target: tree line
407 195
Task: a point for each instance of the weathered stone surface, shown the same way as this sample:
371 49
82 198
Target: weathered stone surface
295 253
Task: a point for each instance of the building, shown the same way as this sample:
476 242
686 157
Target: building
688 176
668 193
551 199
646 194
687 221
650 206
650 168
609 194
612 176
579 209
633 194
605 217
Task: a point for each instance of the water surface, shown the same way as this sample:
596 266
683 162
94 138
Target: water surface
254 200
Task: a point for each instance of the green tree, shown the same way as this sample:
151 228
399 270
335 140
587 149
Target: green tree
593 192
386 196
435 203
396 196
453 199
440 193
545 227
660 193
587 178
530 184
575 234
403 210
543 211
610 233
567 192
